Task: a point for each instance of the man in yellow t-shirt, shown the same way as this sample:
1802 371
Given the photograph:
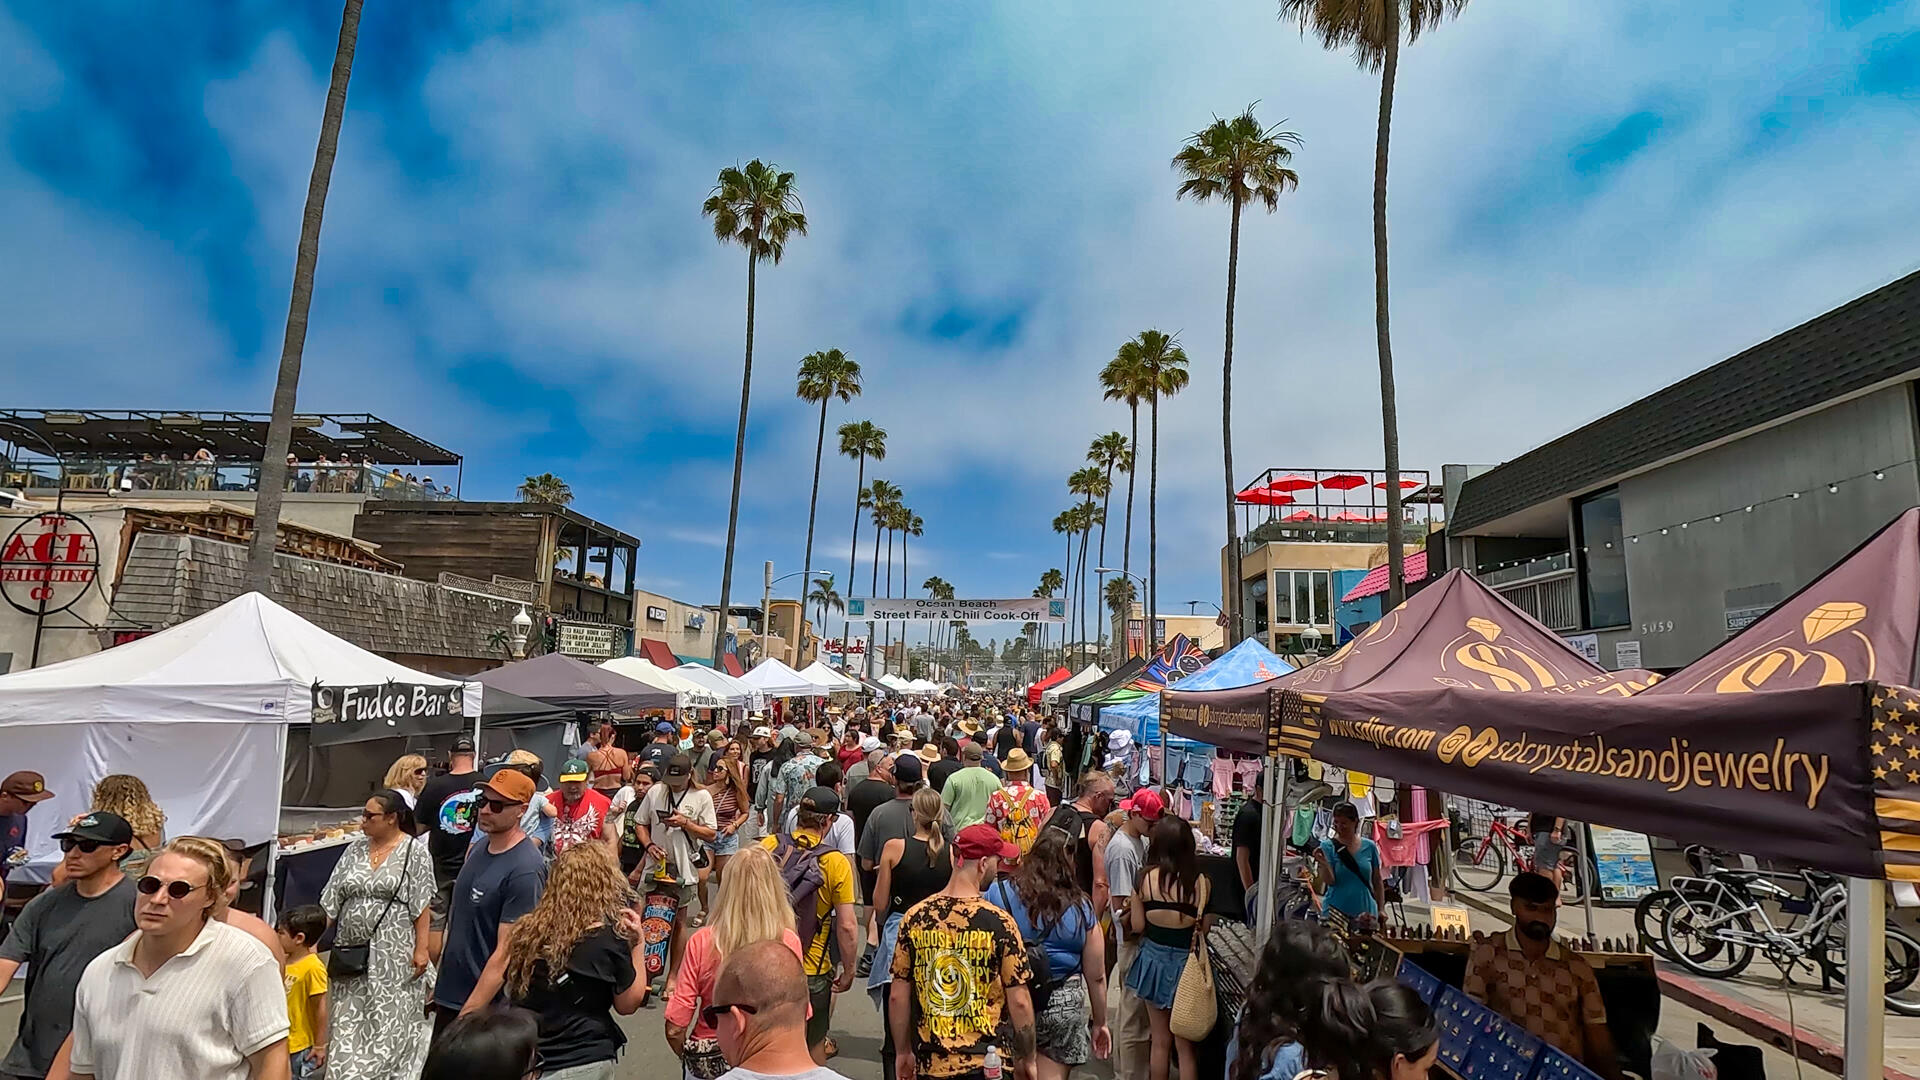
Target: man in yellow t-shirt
831 881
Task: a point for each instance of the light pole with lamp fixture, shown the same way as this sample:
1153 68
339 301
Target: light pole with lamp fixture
1147 630
766 604
522 626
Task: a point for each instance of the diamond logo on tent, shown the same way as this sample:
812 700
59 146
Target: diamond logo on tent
1830 618
1486 628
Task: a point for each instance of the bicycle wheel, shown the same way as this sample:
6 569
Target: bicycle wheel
1902 966
1575 878
1691 933
1648 916
1479 862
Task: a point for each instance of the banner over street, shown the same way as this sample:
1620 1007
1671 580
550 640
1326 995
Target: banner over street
1026 609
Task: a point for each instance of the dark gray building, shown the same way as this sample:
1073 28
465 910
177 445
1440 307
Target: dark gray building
1653 533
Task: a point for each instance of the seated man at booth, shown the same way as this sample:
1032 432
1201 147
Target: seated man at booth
1540 984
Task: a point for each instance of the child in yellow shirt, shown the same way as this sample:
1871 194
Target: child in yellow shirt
299 930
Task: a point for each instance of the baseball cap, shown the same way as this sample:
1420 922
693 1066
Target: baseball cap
649 770
821 800
679 765
981 841
574 769
463 745
27 786
664 728
870 743
1146 802
511 785
802 738
908 768
763 732
99 825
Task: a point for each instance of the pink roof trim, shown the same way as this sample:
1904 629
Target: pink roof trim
1376 579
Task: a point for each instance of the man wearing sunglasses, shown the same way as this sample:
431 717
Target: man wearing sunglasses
501 880
760 1016
61 931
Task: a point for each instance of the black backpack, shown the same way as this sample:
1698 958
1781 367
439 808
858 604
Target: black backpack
800 870
1043 984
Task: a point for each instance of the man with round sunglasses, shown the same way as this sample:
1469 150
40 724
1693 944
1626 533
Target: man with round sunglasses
60 932
760 1016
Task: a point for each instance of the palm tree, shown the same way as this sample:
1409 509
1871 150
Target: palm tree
824 597
933 585
1085 515
911 525
881 498
860 440
1164 363
546 488
1120 596
1093 484
1063 523
823 377
1126 378
1109 452
1051 582
1240 162
897 517
286 386
754 206
1371 29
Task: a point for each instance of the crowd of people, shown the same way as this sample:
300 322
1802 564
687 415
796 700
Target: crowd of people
488 922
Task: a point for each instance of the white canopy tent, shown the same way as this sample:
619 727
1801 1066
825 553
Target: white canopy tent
689 694
198 711
737 694
835 682
895 683
776 679
1089 675
923 686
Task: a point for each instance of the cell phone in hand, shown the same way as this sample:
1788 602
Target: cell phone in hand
662 815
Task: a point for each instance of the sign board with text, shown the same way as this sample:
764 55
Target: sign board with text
47 563
1026 609
346 714
1625 863
588 642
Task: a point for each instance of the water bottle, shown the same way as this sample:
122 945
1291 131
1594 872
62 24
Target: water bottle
991 1067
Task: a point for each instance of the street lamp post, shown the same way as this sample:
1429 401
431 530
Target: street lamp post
517 637
1147 631
766 603
1310 640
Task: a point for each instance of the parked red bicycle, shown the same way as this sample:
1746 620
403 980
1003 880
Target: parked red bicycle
1481 862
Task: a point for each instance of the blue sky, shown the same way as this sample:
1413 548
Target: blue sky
1588 201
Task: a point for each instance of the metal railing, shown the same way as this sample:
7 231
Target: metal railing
131 475
1532 568
1553 601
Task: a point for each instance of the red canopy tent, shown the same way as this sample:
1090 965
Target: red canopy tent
1058 676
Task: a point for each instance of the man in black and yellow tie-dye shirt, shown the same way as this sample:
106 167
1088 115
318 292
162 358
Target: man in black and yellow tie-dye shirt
960 974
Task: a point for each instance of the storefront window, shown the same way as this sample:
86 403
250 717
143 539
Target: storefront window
1603 560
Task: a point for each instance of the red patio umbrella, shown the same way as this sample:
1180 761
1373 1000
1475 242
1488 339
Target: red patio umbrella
1300 515
1260 496
1405 484
1343 481
1292 482
1348 515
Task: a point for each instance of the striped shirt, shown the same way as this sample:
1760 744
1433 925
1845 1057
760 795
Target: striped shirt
198 1017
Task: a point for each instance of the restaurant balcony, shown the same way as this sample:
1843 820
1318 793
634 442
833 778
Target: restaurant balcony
1546 587
133 475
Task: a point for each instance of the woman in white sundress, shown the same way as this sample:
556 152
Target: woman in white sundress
378 895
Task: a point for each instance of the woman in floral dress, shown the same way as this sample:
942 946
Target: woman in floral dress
379 1028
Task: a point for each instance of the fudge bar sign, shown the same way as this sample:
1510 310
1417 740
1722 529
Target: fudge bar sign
48 563
390 705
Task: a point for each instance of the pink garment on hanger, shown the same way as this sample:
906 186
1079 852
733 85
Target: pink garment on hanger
1222 776
1414 808
1401 851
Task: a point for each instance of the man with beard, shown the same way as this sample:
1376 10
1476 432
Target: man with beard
1541 985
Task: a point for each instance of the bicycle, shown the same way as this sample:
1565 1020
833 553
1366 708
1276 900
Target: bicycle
1480 863
1710 929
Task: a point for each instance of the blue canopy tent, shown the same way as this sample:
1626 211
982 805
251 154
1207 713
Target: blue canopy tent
1243 665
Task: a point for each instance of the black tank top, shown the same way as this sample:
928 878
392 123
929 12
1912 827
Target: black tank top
919 874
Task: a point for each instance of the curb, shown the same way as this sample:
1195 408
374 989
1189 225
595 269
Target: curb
1754 1022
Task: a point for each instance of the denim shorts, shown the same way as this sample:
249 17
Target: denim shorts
303 1067
726 843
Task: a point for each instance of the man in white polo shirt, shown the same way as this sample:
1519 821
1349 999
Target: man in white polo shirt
187 997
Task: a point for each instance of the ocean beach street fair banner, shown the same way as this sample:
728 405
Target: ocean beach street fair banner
1784 775
1026 609
1454 632
345 714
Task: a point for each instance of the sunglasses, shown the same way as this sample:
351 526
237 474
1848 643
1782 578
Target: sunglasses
497 805
88 847
421 771
369 815
177 888
712 1013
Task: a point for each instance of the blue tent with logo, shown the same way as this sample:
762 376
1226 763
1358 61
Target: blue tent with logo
1243 665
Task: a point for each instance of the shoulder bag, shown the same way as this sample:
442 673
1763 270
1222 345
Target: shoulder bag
351 961
1195 1005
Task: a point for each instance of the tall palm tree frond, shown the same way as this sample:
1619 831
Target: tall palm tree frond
547 489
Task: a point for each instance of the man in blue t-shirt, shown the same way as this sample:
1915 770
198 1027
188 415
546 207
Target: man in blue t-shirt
500 881
18 793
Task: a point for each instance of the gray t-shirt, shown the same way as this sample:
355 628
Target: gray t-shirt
57 935
1123 864
818 1073
891 820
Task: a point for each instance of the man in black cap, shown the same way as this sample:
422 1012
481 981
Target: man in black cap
60 932
661 748
445 808
18 794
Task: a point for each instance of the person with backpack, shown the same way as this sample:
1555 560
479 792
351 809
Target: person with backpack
1084 822
1066 953
819 882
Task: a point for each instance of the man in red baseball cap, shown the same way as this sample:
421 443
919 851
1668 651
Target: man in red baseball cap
959 1011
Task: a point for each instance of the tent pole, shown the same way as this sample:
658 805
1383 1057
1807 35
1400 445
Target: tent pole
1581 867
273 839
1273 843
1865 1047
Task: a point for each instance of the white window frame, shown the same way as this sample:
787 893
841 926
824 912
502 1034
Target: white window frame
1279 579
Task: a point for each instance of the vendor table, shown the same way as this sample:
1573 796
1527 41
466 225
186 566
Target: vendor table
302 870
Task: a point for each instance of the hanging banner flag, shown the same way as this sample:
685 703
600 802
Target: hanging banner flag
344 714
1027 609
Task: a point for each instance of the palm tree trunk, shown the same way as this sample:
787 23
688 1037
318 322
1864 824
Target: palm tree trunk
1085 534
739 461
813 504
1126 539
1153 522
1226 437
272 485
889 627
853 547
1389 409
874 590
